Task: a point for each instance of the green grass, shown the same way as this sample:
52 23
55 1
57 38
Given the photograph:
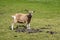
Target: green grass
47 12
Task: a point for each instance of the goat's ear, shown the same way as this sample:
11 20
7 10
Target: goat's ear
26 10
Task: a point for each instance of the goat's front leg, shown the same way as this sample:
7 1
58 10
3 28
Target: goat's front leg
28 26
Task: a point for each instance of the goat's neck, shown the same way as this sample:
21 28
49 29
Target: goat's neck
29 15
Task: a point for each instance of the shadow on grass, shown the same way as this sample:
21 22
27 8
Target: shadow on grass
22 28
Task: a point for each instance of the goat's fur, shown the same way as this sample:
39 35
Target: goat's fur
22 18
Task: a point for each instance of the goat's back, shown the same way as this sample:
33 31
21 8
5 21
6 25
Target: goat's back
21 17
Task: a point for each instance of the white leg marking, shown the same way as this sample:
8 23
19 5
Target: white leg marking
12 26
28 26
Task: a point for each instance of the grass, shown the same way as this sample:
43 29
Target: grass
47 12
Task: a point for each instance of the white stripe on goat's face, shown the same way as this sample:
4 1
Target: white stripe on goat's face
30 12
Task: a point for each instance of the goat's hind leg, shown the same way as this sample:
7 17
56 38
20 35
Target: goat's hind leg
12 25
14 21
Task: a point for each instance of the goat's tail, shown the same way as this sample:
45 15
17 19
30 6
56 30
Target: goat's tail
14 17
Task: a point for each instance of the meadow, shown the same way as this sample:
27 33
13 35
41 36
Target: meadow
47 15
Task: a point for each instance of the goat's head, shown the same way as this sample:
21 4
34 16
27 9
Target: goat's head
29 11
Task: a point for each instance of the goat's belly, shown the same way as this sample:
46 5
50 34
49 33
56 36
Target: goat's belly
21 21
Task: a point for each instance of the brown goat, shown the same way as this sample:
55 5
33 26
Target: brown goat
22 18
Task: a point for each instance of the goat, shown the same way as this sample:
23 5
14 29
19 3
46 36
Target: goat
22 18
